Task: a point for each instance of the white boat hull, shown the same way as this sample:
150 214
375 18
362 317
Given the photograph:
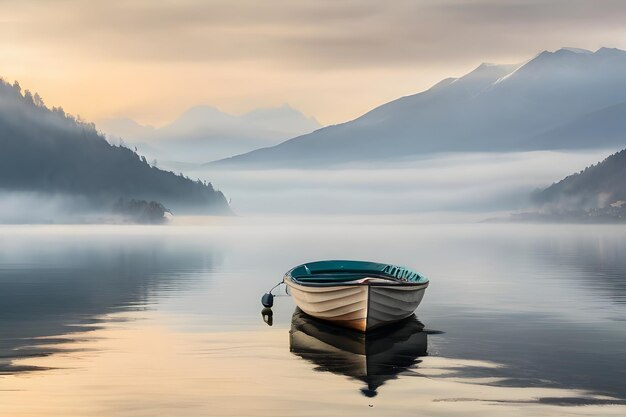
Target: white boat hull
361 307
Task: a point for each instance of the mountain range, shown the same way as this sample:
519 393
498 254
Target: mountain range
204 133
567 99
51 153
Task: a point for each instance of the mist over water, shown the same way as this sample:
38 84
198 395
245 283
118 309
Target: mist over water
446 186
30 207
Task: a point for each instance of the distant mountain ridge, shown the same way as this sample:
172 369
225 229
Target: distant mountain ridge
607 126
529 106
205 133
48 152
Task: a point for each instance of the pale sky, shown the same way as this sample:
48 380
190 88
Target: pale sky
332 59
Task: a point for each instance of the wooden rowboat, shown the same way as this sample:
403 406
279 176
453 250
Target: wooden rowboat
356 294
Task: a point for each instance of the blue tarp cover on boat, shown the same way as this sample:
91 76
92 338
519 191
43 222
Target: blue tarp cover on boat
343 270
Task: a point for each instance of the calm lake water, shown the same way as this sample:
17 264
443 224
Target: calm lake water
166 320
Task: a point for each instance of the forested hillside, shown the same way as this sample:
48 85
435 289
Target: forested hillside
47 151
597 186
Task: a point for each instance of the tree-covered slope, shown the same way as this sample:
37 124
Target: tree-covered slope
45 150
596 186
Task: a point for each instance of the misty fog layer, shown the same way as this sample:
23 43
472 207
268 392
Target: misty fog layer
38 207
449 183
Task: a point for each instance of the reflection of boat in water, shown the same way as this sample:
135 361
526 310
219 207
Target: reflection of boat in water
373 357
356 294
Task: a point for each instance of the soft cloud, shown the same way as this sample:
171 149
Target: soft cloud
313 32
333 59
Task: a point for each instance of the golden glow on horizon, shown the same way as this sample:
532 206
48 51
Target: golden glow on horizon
332 60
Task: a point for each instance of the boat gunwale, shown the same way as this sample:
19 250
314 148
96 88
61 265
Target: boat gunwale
391 283
392 280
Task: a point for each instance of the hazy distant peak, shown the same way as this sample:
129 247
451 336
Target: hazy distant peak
284 109
203 132
511 73
443 83
545 55
210 113
488 70
203 114
609 51
197 119
576 50
560 58
562 52
484 76
203 110
284 118
577 53
123 127
564 60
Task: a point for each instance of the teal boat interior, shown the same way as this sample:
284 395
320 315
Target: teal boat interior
338 271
